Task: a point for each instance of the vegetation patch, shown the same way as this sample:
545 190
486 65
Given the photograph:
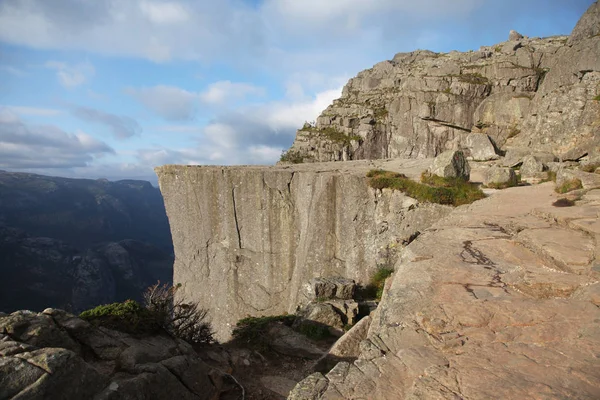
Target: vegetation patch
294 157
432 189
314 331
374 289
161 311
253 331
569 186
331 133
514 131
474 78
128 316
592 167
551 177
597 98
380 113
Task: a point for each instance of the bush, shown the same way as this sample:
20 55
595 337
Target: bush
569 186
185 320
252 331
374 290
433 189
294 157
162 312
128 316
314 331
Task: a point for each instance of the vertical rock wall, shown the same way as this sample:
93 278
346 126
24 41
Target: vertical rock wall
247 239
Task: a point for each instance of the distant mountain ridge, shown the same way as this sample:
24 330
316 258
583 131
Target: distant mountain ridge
84 211
77 243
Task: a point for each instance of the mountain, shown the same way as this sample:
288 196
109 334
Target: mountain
77 243
525 95
84 211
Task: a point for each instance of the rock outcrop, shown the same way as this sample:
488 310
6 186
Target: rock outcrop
499 299
247 239
55 355
530 94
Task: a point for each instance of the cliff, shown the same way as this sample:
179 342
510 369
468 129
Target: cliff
248 238
534 93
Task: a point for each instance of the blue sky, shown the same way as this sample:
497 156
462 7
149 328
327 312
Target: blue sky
112 88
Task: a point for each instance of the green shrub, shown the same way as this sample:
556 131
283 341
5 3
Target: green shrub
314 331
161 312
128 316
374 289
569 186
550 178
433 189
294 157
597 98
252 331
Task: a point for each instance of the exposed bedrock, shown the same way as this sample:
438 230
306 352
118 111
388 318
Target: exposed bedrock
531 94
247 239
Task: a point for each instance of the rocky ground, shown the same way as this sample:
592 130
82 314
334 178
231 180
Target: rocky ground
501 299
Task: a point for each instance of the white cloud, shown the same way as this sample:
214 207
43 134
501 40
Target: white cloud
24 146
31 111
71 76
226 91
121 126
169 102
164 12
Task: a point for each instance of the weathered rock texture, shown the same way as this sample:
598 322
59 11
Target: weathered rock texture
498 300
247 239
532 94
55 355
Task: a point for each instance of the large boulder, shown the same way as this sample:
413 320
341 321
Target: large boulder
480 147
497 176
451 164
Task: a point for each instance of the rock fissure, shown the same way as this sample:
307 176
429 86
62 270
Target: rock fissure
235 218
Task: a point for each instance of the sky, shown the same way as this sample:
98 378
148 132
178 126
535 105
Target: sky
113 88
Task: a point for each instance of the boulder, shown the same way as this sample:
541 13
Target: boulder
531 168
346 348
500 176
451 164
514 35
332 288
480 147
285 340
588 180
318 315
310 388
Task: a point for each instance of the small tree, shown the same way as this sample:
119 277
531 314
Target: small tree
182 319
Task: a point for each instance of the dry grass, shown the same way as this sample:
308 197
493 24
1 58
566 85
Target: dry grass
432 189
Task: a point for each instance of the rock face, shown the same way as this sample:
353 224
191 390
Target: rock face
247 239
55 355
504 290
534 94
